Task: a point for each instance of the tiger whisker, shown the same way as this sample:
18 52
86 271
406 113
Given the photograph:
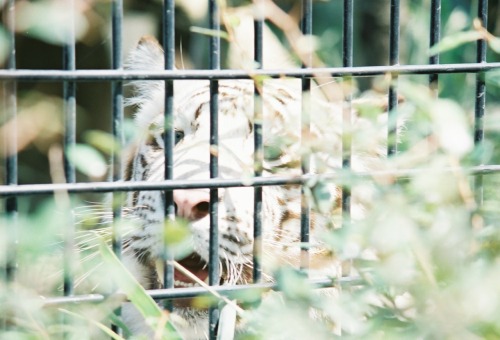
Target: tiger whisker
87 274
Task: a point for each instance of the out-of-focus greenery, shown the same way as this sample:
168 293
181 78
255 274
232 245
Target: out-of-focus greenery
425 256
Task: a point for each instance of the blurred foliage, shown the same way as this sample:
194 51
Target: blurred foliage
426 254
33 17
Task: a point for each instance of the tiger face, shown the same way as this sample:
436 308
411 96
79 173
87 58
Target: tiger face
191 154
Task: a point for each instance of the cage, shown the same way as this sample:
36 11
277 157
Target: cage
374 29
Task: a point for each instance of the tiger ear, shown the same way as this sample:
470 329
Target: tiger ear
146 56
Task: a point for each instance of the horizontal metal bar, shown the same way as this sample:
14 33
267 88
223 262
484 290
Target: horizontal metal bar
102 75
179 293
45 189
83 298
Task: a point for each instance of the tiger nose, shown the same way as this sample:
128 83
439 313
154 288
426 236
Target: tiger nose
192 204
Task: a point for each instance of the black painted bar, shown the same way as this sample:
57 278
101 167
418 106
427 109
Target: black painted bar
393 60
11 174
69 94
305 215
117 128
117 120
480 103
213 263
69 97
169 136
258 145
117 116
347 36
434 37
347 61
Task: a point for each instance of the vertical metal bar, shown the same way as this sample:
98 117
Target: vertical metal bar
69 94
347 37
480 103
169 136
306 23
394 33
435 34
11 177
347 61
214 62
306 26
393 92
258 34
117 128
258 146
214 197
117 123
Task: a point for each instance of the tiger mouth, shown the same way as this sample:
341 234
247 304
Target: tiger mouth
196 266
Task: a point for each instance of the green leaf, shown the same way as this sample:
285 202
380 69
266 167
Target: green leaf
176 232
102 327
493 77
209 32
49 21
102 141
453 41
293 284
4 45
118 321
260 79
227 323
494 44
177 237
136 294
87 160
322 196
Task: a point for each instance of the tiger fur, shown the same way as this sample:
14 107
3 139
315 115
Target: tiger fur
282 106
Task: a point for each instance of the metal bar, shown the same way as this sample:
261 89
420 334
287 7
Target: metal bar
117 119
169 34
347 115
480 103
393 92
169 136
258 34
177 293
347 36
69 95
214 23
258 144
347 61
394 33
117 129
435 34
44 189
11 175
213 263
306 22
305 215
326 72
47 189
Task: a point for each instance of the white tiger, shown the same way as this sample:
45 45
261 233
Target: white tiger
282 106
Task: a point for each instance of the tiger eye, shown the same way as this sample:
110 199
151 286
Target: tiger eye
179 135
